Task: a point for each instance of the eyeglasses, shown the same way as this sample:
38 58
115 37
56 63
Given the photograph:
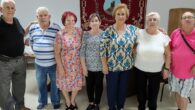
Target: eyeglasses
187 17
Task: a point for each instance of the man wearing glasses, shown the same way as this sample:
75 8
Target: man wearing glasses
182 79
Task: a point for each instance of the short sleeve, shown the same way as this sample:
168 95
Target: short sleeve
166 40
104 43
133 32
139 34
30 33
58 27
58 39
83 44
172 36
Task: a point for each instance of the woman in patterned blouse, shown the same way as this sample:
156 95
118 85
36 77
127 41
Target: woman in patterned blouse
91 62
116 48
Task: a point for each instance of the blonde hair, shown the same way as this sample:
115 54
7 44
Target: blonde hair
41 9
119 6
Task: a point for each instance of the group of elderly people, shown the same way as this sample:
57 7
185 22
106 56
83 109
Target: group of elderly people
68 55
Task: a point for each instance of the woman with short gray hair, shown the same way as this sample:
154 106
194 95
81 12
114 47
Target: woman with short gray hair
152 53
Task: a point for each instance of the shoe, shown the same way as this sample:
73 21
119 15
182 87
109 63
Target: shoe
68 108
96 107
74 107
56 106
40 106
90 107
25 108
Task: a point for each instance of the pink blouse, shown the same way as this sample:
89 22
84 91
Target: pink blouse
182 57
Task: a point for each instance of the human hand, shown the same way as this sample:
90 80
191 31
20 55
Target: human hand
193 70
85 72
165 74
163 31
105 69
61 72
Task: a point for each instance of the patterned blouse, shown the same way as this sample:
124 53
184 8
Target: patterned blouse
117 48
90 50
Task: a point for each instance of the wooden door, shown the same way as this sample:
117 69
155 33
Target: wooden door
175 18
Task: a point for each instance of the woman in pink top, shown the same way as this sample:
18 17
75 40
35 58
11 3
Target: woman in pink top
182 79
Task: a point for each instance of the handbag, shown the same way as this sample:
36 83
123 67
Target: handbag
186 42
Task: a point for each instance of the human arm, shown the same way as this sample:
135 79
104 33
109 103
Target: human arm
137 34
167 56
82 56
57 51
193 69
26 29
104 51
104 65
162 30
84 67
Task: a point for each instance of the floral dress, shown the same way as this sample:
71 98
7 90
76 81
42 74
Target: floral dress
73 78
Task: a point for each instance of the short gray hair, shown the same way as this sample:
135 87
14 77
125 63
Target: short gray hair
193 14
40 9
7 1
153 14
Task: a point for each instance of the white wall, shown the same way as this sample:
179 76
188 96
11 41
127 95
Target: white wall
26 8
163 6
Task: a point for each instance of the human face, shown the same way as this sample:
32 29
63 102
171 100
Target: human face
43 17
188 20
8 9
70 21
152 22
95 23
121 15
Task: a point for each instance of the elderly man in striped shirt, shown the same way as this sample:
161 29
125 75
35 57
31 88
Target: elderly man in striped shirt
42 36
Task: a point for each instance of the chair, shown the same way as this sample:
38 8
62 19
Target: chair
165 81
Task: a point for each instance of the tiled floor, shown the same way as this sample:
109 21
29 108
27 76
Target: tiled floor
131 102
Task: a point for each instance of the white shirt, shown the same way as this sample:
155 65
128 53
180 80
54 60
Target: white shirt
150 51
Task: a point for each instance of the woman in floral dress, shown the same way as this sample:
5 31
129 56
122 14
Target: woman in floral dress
69 71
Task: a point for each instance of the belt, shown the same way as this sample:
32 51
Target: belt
5 58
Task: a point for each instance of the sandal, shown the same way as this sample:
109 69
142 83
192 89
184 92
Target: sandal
68 108
74 107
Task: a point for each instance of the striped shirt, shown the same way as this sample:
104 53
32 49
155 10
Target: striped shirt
42 43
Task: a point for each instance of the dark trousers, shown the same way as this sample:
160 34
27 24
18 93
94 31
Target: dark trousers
148 85
94 82
117 84
12 77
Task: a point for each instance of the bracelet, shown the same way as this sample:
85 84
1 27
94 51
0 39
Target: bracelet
165 68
